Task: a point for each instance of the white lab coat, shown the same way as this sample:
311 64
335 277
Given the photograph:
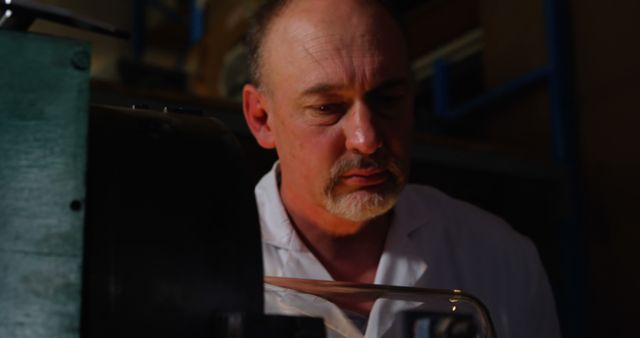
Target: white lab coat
434 241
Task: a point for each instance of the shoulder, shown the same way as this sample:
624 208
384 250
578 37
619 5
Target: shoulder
468 248
435 207
464 234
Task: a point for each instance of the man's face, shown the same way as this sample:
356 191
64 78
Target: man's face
340 107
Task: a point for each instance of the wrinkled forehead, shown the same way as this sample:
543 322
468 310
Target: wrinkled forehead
345 41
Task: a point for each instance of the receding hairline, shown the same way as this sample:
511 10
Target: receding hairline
274 10
261 23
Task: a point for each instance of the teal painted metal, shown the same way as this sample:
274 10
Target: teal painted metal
44 91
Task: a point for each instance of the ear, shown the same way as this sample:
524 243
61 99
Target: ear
257 117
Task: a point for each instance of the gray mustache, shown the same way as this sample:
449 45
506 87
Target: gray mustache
356 161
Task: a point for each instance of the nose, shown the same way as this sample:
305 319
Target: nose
362 134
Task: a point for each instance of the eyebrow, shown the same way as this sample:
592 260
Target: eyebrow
395 82
323 88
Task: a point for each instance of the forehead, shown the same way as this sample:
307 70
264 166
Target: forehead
341 42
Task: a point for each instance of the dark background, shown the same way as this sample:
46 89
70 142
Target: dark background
503 152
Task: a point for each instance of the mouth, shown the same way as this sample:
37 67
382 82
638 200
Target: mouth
365 177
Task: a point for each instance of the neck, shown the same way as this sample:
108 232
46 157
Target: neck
349 257
352 258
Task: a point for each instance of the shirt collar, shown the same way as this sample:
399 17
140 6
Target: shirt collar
277 229
275 224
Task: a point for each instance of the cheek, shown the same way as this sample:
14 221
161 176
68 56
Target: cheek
399 136
321 148
311 149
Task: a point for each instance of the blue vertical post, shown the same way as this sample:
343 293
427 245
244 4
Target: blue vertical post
196 29
572 301
441 88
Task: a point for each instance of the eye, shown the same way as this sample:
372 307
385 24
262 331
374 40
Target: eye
388 98
326 113
329 108
387 102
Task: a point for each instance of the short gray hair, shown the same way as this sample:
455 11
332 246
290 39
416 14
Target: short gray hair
262 19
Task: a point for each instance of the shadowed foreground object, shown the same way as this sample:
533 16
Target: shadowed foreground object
172 237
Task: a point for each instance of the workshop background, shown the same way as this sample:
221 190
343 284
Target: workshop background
527 108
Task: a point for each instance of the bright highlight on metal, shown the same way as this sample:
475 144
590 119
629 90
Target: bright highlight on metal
6 15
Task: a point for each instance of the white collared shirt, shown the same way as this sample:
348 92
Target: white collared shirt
434 241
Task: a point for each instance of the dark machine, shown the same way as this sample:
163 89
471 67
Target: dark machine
172 237
168 209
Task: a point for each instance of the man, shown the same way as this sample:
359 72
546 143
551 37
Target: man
331 92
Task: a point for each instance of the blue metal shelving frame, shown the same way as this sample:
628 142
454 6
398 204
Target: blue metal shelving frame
195 24
562 101
558 73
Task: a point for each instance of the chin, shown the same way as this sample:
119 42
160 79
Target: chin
361 206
